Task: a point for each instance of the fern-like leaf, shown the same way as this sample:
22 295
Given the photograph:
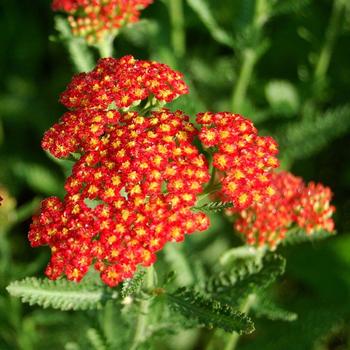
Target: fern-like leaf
264 307
281 7
208 312
314 133
132 285
298 236
61 294
214 207
96 339
234 287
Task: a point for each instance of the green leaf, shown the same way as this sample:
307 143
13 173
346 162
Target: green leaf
175 257
263 307
288 6
314 132
297 236
61 294
96 339
72 346
26 210
213 207
132 285
247 256
201 8
282 97
208 312
234 287
39 178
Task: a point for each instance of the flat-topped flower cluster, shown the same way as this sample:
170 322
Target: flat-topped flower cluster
139 174
294 205
95 19
244 159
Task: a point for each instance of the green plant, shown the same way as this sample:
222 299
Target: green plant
209 281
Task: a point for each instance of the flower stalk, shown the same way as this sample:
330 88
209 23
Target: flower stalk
143 316
332 32
178 37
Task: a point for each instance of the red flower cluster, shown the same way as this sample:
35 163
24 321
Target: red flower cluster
243 158
125 198
122 83
77 131
93 97
294 205
93 19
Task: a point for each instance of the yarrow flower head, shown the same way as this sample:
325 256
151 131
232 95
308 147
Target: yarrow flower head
244 159
97 98
96 19
295 205
125 199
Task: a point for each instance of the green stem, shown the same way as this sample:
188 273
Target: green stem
250 57
233 338
105 47
177 27
330 39
5 253
77 47
25 211
239 93
208 191
142 320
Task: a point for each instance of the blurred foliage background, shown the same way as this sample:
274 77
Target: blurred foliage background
282 63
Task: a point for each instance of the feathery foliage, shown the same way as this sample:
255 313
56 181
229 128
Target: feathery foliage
208 312
314 132
280 7
132 285
96 339
214 207
235 286
297 236
61 294
264 307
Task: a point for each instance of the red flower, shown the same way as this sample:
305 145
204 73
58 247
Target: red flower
94 19
123 83
125 199
294 205
94 98
243 158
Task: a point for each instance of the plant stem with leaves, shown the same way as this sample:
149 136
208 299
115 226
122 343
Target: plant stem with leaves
143 316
